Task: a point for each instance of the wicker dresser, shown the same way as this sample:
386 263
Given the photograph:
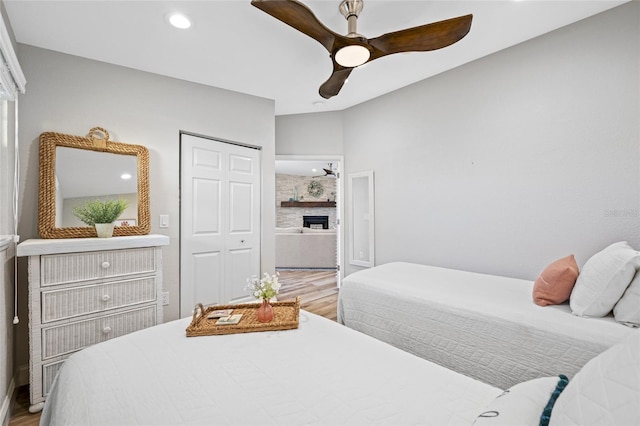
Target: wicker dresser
83 291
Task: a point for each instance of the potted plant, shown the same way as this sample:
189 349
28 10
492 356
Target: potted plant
101 214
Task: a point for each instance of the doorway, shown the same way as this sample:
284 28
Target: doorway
309 186
220 204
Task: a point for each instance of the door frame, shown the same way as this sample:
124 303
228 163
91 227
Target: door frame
337 159
261 201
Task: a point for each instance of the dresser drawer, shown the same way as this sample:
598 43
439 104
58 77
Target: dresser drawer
71 302
49 372
67 338
74 267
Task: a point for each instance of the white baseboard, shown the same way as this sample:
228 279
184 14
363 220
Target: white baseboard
5 409
22 375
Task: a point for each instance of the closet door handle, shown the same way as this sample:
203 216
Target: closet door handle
106 330
105 264
105 298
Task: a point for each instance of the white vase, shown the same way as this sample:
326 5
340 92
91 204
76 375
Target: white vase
104 230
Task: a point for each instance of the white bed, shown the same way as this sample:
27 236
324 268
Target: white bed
320 373
484 326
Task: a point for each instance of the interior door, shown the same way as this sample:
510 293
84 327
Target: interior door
219 221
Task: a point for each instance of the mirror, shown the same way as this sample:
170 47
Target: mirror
361 245
105 176
74 170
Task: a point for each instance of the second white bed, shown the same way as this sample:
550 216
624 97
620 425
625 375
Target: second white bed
484 326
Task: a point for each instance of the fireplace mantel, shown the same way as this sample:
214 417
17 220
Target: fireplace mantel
308 204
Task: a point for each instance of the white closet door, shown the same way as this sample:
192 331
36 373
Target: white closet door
220 221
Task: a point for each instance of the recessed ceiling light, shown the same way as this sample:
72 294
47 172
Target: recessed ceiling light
317 103
178 20
125 176
314 170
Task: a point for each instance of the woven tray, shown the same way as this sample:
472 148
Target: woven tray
286 317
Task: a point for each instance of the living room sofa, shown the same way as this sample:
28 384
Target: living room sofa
305 248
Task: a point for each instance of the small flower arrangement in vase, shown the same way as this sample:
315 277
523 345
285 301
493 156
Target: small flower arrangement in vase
101 214
265 288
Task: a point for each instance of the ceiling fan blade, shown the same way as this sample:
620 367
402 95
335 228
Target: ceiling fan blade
423 38
300 17
332 86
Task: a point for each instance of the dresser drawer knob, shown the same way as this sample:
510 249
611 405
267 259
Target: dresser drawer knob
105 298
105 265
106 330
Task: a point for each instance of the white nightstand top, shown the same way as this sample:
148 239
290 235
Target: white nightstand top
37 247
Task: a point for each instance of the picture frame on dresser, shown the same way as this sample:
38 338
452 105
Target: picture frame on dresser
84 291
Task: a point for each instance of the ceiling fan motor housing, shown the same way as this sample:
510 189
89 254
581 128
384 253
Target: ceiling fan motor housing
351 9
357 50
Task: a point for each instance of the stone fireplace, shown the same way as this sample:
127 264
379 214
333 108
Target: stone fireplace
290 217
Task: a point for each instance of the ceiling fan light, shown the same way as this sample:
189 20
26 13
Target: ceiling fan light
352 56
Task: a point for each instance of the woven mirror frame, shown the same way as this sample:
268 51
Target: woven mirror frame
49 141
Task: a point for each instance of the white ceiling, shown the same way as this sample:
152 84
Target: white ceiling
235 46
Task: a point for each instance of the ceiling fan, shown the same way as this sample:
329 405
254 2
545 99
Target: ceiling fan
353 50
327 172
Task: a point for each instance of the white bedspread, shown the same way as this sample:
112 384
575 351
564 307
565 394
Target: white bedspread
483 326
321 373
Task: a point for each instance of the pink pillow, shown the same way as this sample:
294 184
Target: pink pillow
555 283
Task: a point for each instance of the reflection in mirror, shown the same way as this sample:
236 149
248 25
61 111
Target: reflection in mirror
362 219
83 176
76 169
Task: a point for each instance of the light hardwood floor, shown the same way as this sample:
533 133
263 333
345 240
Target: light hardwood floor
318 294
317 289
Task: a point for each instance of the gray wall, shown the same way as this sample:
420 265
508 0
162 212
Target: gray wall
69 94
510 162
506 163
309 134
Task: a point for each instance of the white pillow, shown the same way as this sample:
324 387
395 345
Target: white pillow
603 280
522 404
627 310
606 391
